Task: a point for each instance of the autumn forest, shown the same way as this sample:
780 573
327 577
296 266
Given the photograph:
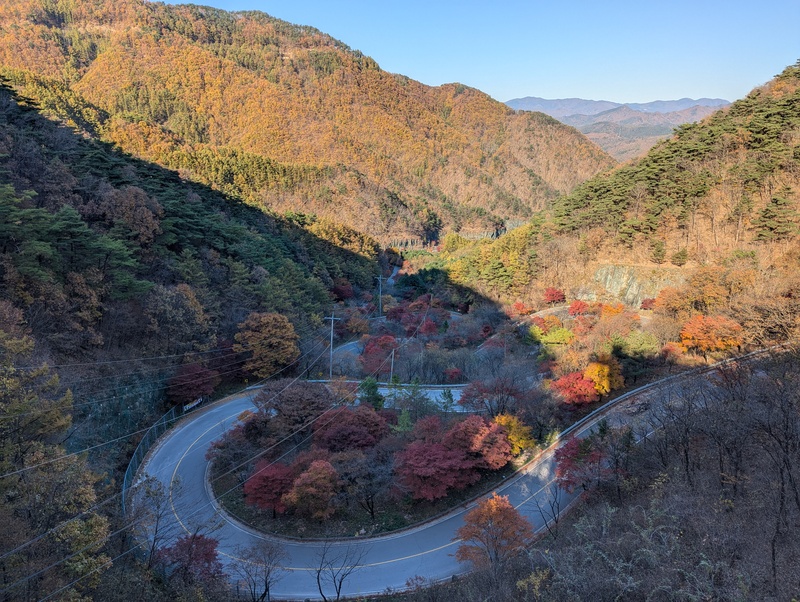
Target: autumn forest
419 294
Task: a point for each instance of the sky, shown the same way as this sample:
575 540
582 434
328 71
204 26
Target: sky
618 50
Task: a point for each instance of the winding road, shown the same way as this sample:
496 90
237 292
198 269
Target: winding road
178 461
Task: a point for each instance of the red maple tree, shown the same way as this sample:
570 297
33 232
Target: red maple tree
496 396
429 470
575 389
375 357
268 484
191 381
428 327
453 374
554 295
580 463
359 428
648 304
193 559
484 444
578 307
428 429
520 309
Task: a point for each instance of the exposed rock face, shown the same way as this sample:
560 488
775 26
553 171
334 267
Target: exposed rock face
632 284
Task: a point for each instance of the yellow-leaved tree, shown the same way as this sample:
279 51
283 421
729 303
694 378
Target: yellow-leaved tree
605 373
518 433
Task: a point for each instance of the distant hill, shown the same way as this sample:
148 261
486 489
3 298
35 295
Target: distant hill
625 115
722 193
671 106
729 180
290 119
625 131
562 107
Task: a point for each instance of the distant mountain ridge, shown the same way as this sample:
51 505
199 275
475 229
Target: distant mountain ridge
629 116
566 107
624 130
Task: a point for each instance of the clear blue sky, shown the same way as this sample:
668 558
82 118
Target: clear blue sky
619 50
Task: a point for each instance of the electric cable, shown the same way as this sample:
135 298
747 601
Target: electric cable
115 440
94 544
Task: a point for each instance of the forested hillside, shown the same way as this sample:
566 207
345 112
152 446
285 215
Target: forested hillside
84 222
185 193
133 283
728 181
216 94
724 193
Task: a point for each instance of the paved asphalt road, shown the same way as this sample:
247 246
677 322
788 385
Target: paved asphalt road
178 461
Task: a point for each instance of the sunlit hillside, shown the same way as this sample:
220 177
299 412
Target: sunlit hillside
215 93
724 192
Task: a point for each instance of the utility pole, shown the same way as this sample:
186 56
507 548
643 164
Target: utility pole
380 280
333 319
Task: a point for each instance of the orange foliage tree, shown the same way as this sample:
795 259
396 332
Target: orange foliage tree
313 491
609 310
493 532
672 302
708 334
270 340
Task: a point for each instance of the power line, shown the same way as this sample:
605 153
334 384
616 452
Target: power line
302 332
118 494
109 536
241 464
143 370
125 361
99 401
146 390
123 437
115 440
196 510
108 563
70 556
60 526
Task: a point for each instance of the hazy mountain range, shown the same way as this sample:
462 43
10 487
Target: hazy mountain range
624 130
565 107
